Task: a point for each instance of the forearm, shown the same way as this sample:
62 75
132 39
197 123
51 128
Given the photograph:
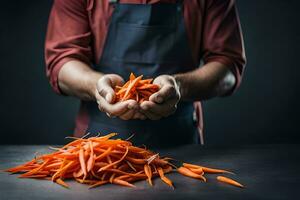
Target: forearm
211 80
77 79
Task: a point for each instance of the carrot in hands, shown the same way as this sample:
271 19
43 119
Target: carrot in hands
136 88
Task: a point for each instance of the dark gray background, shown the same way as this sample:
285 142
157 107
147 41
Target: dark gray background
264 110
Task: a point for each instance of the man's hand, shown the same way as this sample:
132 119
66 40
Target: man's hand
164 102
105 96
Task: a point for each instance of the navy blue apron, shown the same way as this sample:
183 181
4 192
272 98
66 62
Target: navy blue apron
148 39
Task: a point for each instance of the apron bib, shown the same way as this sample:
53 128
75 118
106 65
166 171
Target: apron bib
148 39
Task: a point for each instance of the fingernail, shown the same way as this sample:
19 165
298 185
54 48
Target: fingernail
108 97
159 99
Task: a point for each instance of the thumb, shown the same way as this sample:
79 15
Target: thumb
106 91
109 97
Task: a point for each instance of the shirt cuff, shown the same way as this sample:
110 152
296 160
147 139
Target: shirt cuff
232 67
55 72
57 68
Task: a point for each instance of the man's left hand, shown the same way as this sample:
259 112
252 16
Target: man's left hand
164 102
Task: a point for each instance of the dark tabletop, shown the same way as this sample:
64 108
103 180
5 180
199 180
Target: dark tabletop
267 171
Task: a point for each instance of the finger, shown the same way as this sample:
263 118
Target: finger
105 89
165 109
115 79
110 116
105 106
116 109
139 115
113 111
127 115
106 84
166 92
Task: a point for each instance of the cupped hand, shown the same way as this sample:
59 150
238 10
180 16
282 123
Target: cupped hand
164 102
105 96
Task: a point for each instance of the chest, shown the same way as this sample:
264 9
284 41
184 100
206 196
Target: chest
99 12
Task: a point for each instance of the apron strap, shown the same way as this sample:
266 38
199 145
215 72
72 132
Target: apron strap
198 116
113 1
117 1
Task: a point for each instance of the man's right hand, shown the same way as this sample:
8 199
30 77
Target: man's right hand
105 96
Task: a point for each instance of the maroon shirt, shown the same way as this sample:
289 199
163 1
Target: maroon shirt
77 30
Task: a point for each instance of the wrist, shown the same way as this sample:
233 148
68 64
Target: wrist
91 80
181 85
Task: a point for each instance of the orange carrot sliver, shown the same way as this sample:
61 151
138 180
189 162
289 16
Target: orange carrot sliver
98 184
123 183
148 173
207 169
164 178
82 161
229 181
186 172
62 183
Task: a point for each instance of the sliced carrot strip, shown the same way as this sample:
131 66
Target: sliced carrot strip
197 170
123 183
104 154
91 161
206 169
98 184
114 163
229 181
186 172
148 173
82 161
62 183
164 178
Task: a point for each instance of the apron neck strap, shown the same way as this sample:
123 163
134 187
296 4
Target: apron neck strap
113 1
117 1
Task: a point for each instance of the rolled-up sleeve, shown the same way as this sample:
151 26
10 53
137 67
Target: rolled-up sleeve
222 37
68 37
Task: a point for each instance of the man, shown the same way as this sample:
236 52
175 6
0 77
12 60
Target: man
93 45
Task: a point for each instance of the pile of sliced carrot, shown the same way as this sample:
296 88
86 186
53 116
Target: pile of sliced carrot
102 160
136 88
